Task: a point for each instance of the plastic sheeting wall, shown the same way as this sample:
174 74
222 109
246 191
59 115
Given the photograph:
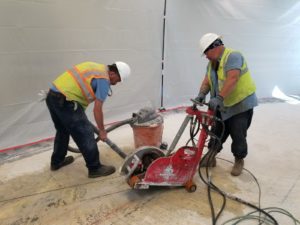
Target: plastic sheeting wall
267 32
42 38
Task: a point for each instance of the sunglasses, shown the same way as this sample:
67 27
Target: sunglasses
216 43
209 48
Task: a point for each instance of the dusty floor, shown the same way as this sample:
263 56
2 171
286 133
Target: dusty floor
31 194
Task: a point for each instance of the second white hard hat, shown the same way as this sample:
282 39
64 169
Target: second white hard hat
124 70
206 40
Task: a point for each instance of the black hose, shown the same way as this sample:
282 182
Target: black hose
109 129
210 155
211 185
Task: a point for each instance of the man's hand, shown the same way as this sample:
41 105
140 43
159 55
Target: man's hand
201 97
216 103
102 135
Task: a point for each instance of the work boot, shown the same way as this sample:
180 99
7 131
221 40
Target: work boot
102 171
209 160
68 160
237 167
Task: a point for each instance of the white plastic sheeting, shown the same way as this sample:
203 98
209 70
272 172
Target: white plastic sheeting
267 32
42 38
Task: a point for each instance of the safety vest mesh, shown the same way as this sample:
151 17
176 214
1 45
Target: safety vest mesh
75 83
244 87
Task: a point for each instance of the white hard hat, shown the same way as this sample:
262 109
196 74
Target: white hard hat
206 40
124 70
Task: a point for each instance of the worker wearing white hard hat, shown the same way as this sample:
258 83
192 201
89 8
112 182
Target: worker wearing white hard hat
232 97
123 69
206 40
68 97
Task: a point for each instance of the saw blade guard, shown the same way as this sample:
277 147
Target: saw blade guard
138 161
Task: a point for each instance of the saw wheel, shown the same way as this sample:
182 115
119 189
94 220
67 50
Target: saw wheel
137 163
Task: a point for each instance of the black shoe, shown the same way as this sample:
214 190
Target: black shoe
68 160
102 171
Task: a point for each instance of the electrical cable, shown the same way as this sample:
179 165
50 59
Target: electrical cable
210 185
225 195
268 210
254 178
193 132
250 216
209 188
194 129
210 155
268 219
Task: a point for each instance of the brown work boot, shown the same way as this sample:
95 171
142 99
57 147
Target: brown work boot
237 167
209 160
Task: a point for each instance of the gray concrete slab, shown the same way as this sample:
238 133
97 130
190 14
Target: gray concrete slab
32 194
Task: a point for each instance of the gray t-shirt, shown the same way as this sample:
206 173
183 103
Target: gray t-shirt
235 61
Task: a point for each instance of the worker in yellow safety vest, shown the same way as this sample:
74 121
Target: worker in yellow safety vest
232 89
67 99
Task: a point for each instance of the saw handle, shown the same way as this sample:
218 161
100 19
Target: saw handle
221 109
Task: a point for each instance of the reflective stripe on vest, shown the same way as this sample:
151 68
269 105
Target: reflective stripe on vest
75 83
81 80
244 87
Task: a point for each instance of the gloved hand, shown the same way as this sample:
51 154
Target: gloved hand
216 103
201 97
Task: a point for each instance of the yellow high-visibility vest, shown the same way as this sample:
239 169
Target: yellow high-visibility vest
75 83
244 87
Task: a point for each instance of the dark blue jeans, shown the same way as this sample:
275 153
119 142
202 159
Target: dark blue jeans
236 127
71 120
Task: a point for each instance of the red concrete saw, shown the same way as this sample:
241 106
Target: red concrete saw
151 166
157 166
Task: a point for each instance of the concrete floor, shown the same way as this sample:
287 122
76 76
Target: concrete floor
32 194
